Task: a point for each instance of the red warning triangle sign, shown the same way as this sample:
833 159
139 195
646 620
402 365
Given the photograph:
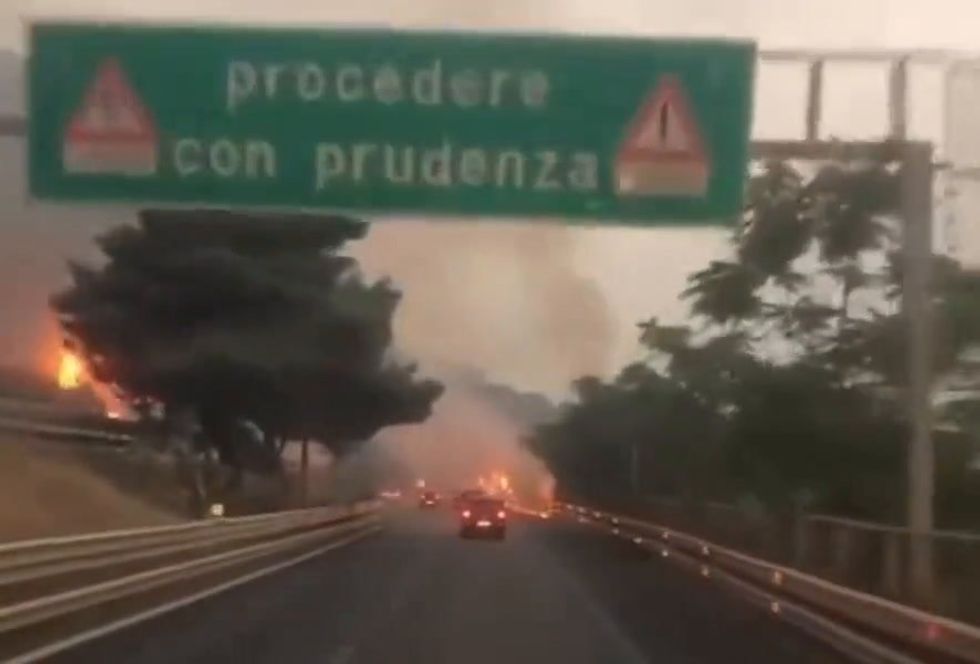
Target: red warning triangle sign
663 152
664 128
111 131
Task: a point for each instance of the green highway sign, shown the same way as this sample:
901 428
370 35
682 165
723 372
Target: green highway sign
623 130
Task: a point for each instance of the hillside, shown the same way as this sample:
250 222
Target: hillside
67 489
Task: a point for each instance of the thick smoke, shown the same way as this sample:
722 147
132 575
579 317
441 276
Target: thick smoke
468 438
506 299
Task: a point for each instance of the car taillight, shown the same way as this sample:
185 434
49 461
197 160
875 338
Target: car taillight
466 514
501 514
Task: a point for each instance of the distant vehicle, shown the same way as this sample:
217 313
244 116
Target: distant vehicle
483 517
429 499
463 498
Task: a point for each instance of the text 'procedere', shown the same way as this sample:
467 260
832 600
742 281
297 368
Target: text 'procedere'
447 163
432 85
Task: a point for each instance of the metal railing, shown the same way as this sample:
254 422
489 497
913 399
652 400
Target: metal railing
58 420
47 429
861 625
865 556
50 580
872 557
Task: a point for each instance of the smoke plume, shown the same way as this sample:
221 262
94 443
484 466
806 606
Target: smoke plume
503 297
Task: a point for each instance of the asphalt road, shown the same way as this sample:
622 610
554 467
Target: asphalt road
553 592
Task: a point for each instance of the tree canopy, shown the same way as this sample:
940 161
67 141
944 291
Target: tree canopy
245 317
785 387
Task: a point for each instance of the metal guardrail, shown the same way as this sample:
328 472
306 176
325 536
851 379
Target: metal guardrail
862 625
34 559
865 556
951 535
46 429
27 565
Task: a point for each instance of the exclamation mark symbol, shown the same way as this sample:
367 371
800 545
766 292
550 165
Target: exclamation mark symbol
663 124
106 110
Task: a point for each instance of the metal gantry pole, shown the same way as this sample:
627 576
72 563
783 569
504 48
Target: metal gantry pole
916 212
916 201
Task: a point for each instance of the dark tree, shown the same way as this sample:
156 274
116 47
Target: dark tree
786 388
245 317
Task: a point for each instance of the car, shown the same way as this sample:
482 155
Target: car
429 499
483 517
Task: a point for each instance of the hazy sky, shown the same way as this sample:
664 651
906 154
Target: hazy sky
831 23
639 273
775 24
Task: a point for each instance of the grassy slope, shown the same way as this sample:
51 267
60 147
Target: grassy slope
56 489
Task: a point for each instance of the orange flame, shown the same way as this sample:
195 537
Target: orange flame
70 371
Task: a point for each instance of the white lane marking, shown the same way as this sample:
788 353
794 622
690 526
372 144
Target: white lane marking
109 628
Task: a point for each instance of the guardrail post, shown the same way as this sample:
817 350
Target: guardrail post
840 542
891 568
304 479
635 469
801 540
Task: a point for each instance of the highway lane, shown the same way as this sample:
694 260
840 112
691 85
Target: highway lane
553 592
